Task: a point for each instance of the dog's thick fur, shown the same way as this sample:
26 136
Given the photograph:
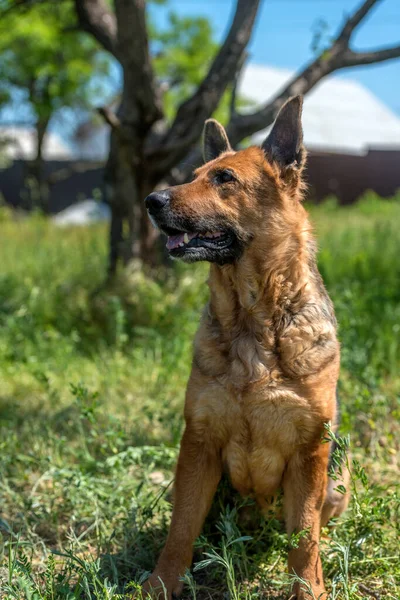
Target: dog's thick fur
266 356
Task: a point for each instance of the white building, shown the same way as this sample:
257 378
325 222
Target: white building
340 115
20 143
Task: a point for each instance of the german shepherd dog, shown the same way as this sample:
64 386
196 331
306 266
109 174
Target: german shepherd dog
266 355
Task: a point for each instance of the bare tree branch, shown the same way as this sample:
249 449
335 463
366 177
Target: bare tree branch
110 117
141 102
188 124
353 59
338 56
95 18
242 126
124 34
351 23
232 104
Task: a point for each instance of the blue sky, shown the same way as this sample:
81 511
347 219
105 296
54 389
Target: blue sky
284 30
282 38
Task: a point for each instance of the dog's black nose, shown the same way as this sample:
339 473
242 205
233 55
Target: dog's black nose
157 200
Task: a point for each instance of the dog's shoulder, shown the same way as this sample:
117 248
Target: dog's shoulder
307 340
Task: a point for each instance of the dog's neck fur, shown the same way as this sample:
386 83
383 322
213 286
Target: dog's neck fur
255 300
272 277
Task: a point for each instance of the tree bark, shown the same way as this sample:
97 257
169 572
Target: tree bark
126 187
338 56
130 173
39 191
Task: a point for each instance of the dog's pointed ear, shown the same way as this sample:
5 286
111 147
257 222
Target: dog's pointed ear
215 140
284 144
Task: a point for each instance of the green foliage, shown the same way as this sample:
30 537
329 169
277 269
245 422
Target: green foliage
91 399
42 57
182 54
54 66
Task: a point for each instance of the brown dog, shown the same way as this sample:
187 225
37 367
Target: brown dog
266 356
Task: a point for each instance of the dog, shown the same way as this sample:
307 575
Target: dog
266 355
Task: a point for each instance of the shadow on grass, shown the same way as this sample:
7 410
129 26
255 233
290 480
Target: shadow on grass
230 519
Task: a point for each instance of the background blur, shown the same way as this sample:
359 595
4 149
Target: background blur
100 103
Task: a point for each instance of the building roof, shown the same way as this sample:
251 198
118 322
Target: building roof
20 142
340 115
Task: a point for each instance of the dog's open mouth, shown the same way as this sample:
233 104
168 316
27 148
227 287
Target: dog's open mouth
182 242
217 245
186 240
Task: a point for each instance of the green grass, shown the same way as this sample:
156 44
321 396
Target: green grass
91 395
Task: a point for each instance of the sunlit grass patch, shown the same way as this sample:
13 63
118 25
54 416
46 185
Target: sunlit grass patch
92 389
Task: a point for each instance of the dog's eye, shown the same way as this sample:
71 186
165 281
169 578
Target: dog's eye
223 177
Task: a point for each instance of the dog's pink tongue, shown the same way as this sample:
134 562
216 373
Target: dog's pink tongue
173 241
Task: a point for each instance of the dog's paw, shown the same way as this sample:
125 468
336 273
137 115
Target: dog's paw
319 593
159 587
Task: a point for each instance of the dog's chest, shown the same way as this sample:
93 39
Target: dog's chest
253 403
239 357
264 428
258 430
250 349
252 359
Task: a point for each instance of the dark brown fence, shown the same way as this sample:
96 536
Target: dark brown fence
349 176
344 176
72 182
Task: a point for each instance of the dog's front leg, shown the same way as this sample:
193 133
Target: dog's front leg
304 491
197 476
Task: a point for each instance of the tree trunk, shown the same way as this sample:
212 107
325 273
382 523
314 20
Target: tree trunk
39 192
171 155
131 236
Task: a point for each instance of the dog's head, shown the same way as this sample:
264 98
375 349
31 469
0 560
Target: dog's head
234 196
